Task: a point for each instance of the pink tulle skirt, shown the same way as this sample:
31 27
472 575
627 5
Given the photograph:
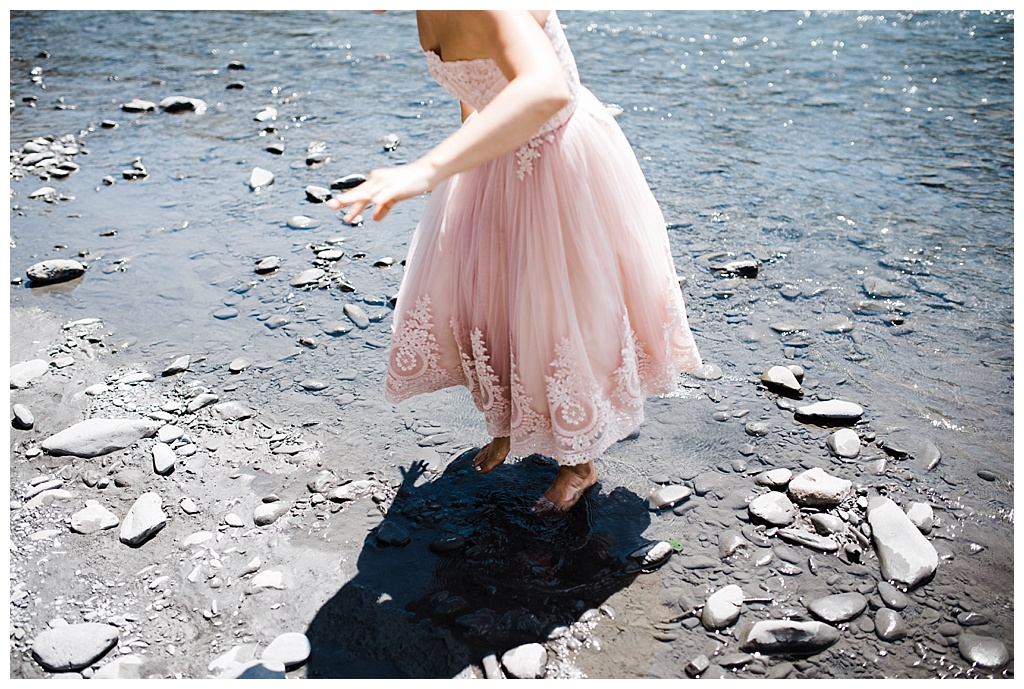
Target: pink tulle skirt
544 283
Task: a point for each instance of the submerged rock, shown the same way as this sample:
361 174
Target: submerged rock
984 651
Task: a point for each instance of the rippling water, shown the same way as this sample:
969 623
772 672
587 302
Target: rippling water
834 146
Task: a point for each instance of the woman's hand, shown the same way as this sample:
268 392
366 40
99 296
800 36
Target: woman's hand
384 188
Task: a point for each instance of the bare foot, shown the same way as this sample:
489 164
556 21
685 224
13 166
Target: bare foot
570 483
491 455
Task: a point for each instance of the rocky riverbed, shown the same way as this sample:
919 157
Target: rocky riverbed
165 524
206 482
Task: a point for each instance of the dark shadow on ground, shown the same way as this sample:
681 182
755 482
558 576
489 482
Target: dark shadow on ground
461 568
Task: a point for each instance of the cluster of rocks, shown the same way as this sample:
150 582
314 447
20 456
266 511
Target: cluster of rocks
128 469
792 520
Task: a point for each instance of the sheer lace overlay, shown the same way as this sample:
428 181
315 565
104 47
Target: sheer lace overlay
543 282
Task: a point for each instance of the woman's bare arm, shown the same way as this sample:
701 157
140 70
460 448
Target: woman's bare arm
536 90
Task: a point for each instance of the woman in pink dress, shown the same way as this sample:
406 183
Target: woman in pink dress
540 275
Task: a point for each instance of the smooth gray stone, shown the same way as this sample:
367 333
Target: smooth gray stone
308 277
707 371
183 104
352 491
95 437
55 270
830 410
348 181
722 608
840 607
825 544
780 379
200 401
144 519
774 508
260 178
786 637
179 365
971 619
892 596
669 496
983 651
882 289
889 625
775 479
268 513
22 374
125 667
73 646
291 649
317 194
905 555
844 443
815 488
729 542
920 514
92 518
653 554
267 264
302 222
525 662
712 482
391 533
827 524
22 418
239 364
138 105
256 669
232 410
164 458
358 316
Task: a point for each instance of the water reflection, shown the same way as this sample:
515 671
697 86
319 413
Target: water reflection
461 567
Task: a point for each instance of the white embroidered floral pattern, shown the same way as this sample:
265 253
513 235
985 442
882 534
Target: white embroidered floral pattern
413 366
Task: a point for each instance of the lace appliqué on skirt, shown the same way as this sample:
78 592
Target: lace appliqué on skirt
414 365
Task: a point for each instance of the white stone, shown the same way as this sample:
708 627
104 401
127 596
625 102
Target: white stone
170 433
94 437
270 579
163 458
815 488
197 538
291 649
722 608
525 662
144 519
920 513
667 496
260 178
237 655
774 478
92 518
781 379
906 556
24 373
844 443
73 646
232 411
256 669
831 410
269 512
352 491
125 667
773 507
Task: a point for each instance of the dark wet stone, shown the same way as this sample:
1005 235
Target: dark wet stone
841 607
892 596
983 651
747 268
447 544
948 629
971 619
348 182
183 104
986 475
889 625
786 637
